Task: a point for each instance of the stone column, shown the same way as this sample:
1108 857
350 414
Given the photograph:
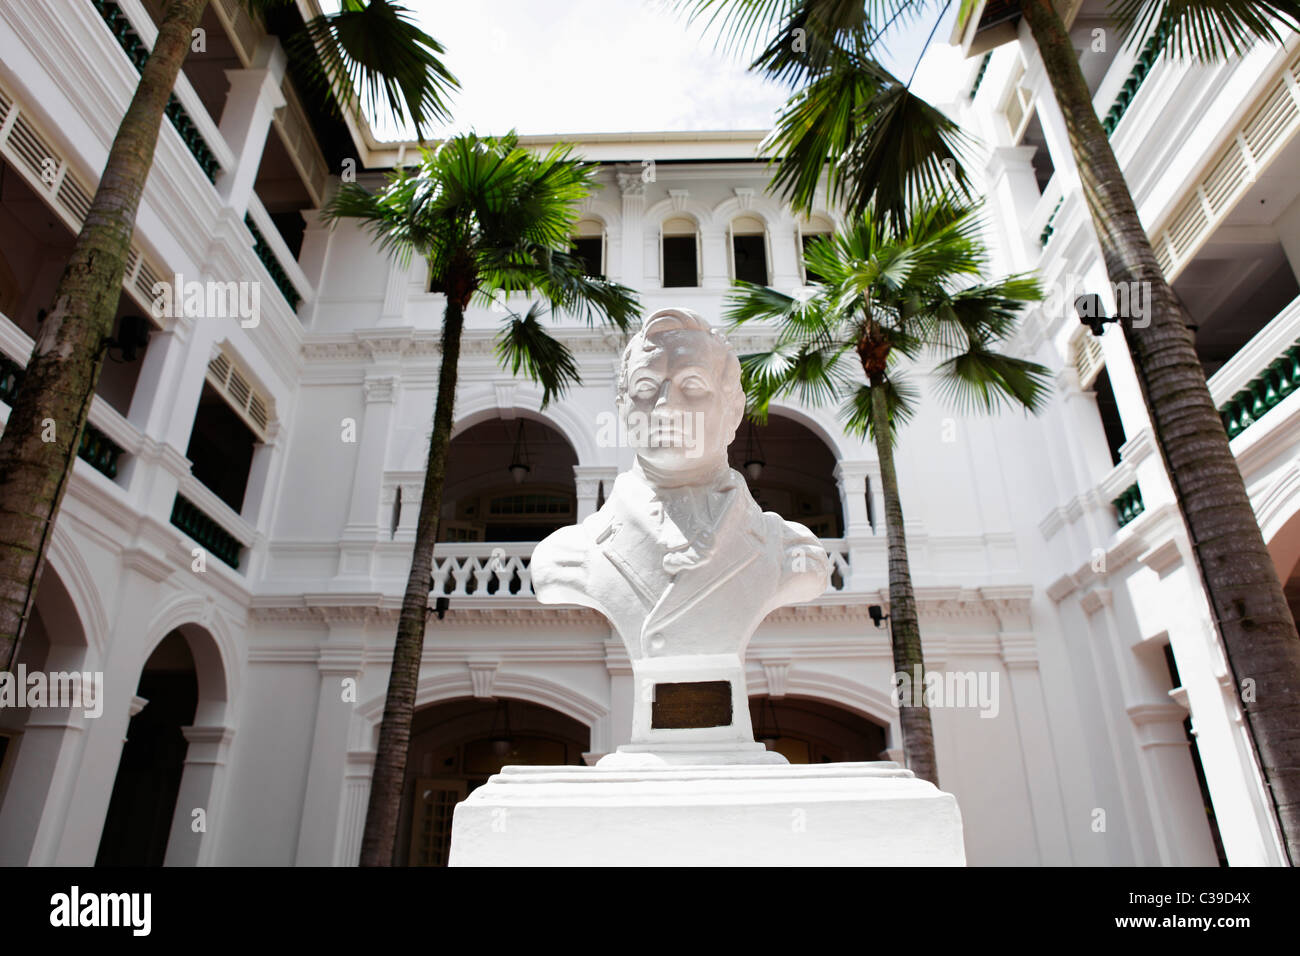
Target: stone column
1013 188
356 795
327 773
1019 653
246 119
588 480
363 521
202 788
632 187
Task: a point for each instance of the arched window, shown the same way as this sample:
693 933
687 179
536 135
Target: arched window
679 253
810 229
749 250
589 245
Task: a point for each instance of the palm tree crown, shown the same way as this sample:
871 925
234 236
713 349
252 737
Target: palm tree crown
489 216
887 294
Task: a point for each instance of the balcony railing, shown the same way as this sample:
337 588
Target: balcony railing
138 52
264 247
1263 372
1137 76
501 569
1128 505
191 519
96 447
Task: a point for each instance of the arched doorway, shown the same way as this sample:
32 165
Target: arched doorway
508 480
36 742
140 811
456 745
790 471
804 730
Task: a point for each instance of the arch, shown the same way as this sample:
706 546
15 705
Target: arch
589 224
810 730
792 471
1278 513
760 207
654 216
481 405
436 688
74 576
811 420
609 213
210 643
868 702
456 746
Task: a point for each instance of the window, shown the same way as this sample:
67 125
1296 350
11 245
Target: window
221 448
749 250
1042 160
1018 103
680 253
817 227
589 246
1108 409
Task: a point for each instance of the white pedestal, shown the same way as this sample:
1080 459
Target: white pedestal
835 814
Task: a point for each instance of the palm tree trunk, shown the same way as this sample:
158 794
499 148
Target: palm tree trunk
40 440
1250 611
904 625
380 836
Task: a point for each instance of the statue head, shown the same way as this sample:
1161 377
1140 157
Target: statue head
679 392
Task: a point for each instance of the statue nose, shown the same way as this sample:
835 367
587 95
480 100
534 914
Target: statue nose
664 390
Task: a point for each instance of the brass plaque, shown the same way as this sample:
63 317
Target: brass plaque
694 704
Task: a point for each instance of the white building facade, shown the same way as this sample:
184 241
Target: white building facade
234 543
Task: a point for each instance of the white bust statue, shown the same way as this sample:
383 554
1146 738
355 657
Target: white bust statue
680 558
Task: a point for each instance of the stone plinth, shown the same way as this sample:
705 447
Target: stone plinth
841 814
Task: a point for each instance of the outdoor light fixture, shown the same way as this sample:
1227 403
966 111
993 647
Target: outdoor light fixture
519 458
1092 314
440 607
877 614
502 742
132 338
753 454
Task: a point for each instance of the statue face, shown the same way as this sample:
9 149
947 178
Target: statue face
676 401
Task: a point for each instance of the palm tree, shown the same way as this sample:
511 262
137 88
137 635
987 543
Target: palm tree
489 217
367 50
857 122
888 293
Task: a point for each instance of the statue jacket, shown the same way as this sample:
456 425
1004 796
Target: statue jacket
667 595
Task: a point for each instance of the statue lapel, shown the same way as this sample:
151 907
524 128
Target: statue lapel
691 585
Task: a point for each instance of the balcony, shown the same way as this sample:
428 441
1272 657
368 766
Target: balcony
1264 372
499 570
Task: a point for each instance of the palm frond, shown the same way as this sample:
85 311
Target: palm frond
982 380
525 344
1208 30
375 49
901 399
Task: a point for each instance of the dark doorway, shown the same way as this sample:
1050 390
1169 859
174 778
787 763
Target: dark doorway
149 773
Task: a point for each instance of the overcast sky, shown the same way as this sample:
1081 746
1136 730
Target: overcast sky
592 66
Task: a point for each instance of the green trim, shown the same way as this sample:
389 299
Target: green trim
272 264
96 448
979 77
11 376
138 54
1129 505
1050 227
100 450
1261 393
1146 60
187 516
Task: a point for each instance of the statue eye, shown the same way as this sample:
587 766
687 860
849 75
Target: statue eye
645 387
694 385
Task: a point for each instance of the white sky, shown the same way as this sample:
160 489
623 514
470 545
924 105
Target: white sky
591 66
